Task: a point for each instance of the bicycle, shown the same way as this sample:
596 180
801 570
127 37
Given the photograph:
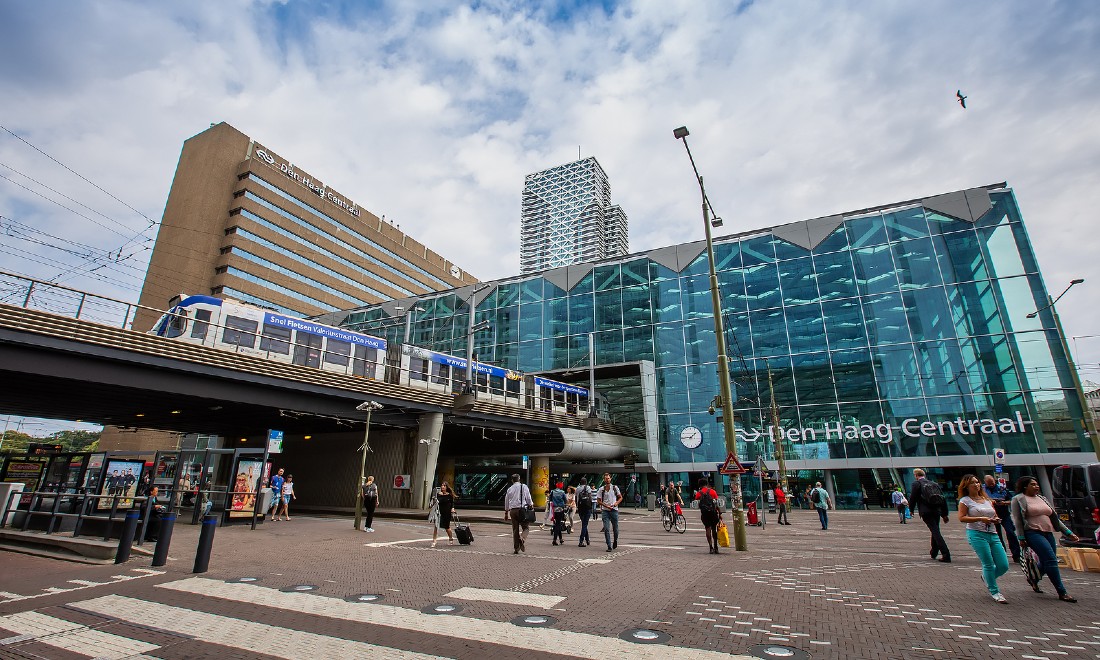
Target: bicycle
676 519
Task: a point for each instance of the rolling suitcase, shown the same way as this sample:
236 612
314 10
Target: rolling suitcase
463 533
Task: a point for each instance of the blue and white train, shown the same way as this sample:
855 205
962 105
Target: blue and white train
251 330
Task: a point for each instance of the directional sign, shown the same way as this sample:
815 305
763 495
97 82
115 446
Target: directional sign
732 465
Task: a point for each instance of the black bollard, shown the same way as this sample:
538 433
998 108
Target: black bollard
127 538
206 542
164 539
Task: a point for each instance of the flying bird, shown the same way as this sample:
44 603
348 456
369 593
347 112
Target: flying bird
962 99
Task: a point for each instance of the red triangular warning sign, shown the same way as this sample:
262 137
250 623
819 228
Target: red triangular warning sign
731 466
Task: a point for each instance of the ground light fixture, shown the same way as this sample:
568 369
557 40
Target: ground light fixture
368 407
740 535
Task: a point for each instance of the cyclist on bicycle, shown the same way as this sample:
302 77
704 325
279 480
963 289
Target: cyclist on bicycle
672 498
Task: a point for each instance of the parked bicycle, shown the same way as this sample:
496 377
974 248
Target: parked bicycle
674 519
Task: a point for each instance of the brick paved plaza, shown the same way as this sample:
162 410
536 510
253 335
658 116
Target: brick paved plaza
864 589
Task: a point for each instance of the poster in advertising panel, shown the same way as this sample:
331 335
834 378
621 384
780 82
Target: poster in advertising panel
95 468
242 501
165 471
121 478
27 472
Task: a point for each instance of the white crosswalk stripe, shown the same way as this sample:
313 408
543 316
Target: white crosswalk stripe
74 637
464 628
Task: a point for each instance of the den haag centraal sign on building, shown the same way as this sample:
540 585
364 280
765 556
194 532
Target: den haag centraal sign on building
307 181
912 427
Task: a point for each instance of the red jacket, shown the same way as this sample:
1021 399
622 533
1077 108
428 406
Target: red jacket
780 496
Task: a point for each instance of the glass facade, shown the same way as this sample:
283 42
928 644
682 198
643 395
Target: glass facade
901 334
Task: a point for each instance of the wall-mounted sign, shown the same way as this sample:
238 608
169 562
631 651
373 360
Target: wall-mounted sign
313 185
912 427
402 481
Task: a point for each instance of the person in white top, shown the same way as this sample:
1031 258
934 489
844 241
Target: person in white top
517 501
609 497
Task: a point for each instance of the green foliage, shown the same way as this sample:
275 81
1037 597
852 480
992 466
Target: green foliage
70 441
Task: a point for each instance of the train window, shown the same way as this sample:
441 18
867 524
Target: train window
177 323
418 369
366 359
275 340
240 332
338 352
307 350
511 388
559 398
441 373
496 384
202 322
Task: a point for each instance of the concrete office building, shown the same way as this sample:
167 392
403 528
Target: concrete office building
244 222
568 217
894 337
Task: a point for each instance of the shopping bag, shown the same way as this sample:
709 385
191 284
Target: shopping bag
723 535
1031 566
908 513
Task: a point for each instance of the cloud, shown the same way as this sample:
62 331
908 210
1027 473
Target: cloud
432 113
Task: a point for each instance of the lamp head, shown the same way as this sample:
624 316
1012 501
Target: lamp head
1077 281
716 221
1032 315
680 133
368 405
480 325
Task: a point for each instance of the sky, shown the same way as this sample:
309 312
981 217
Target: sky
432 112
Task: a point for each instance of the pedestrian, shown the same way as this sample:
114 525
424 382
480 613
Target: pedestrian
444 510
1036 520
557 498
927 498
156 514
998 493
370 502
610 497
548 512
709 513
781 505
584 508
276 485
901 504
977 512
288 494
517 501
595 503
570 508
819 498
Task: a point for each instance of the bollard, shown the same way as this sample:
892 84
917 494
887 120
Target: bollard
164 539
206 542
126 539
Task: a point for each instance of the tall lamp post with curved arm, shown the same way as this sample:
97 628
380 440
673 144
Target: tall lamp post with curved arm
369 407
740 536
1090 423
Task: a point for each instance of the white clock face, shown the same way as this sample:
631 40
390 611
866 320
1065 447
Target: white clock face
455 272
691 437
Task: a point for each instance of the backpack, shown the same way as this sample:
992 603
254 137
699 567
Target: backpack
584 499
557 496
931 494
707 503
815 496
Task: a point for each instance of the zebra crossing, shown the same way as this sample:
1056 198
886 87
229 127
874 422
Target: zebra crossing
94 627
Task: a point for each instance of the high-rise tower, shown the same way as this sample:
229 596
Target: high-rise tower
568 217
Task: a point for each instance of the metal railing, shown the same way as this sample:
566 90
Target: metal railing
86 508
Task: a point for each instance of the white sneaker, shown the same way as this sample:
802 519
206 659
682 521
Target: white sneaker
1000 598
370 529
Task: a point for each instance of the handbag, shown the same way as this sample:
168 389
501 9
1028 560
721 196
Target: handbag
723 535
1031 566
528 514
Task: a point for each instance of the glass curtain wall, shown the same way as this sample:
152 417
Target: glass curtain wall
895 316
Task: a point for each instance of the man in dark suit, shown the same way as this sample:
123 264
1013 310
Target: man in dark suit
926 497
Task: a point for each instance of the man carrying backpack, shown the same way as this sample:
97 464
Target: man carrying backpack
584 507
609 497
557 498
709 513
820 500
927 498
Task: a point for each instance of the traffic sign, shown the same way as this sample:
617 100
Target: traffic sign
999 456
999 468
732 465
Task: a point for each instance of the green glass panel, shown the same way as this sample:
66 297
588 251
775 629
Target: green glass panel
960 256
863 442
727 255
805 327
530 356
506 324
762 286
666 300
769 333
659 273
530 321
758 250
583 286
797 278
669 344
836 277
635 272
556 320
943 372
785 250
531 290
699 344
638 343
696 297
974 308
731 286
874 269
854 375
896 371
886 320
916 264
555 353
507 294
1002 254
838 240
609 347
867 231
906 224
580 314
844 324
702 383
607 277
672 384
700 265
609 310
636 309
813 378
929 314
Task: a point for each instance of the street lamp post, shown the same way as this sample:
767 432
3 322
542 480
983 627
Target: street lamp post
369 407
1090 423
739 534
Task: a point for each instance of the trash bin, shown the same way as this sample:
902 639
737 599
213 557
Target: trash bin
754 518
651 501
